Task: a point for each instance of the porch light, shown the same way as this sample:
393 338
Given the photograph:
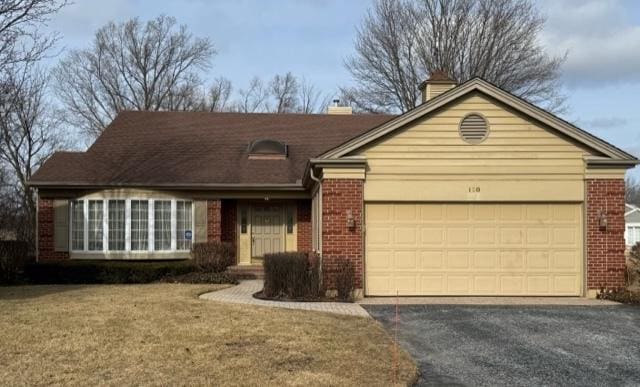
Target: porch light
351 222
602 220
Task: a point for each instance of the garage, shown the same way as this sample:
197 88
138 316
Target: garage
503 249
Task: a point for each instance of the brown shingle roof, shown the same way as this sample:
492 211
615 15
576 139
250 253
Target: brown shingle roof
198 148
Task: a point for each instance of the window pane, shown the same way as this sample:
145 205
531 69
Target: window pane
162 224
139 225
183 225
116 225
77 225
95 225
636 235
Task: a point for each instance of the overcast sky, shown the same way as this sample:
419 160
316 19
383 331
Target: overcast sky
312 37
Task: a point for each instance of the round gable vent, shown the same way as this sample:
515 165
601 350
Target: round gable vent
474 128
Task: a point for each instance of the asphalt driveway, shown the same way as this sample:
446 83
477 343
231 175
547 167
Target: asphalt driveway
519 345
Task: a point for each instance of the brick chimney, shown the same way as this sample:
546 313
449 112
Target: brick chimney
335 108
438 83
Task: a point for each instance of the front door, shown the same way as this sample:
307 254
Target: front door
267 231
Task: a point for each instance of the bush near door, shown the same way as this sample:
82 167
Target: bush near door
345 280
293 276
213 256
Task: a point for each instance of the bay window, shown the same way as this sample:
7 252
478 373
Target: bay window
139 225
131 225
77 225
116 225
96 211
184 232
162 225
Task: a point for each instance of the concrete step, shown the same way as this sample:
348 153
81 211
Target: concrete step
246 271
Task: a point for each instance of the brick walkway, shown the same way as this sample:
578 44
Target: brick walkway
243 294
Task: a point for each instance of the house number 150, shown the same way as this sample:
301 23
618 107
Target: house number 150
474 189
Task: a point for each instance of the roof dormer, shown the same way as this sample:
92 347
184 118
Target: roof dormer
267 149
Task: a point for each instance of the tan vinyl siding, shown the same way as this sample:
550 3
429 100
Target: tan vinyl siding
61 225
429 156
200 221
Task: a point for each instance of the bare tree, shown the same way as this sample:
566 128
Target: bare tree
132 66
632 191
218 96
25 136
20 40
311 100
400 42
29 134
254 98
284 91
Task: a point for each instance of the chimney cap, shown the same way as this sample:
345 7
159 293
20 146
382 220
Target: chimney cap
438 76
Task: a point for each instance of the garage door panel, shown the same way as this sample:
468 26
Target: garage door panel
457 212
458 284
485 284
484 260
538 284
457 236
484 235
510 284
565 260
457 260
473 249
405 235
538 236
431 236
538 260
405 260
431 284
565 236
431 259
380 236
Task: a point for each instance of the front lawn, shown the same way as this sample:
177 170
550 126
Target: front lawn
162 334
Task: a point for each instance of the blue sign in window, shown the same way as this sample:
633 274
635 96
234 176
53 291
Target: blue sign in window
188 235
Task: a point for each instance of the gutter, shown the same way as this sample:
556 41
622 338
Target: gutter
241 187
608 163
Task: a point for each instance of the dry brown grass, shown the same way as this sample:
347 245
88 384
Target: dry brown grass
161 334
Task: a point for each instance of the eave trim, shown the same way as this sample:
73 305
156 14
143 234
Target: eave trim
478 84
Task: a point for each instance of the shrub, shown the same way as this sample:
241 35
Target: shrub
105 272
633 270
622 295
13 259
291 276
345 280
213 256
200 277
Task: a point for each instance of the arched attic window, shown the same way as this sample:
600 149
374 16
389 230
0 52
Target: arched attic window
267 149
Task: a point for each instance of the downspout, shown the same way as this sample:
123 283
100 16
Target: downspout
319 225
37 225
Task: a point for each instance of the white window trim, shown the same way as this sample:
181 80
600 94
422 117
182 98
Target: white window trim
150 228
626 232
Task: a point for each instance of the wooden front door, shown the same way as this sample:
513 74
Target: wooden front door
267 230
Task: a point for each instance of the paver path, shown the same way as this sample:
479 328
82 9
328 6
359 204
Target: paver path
243 294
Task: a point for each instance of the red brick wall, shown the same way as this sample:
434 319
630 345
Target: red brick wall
339 241
605 246
228 221
214 217
304 225
46 250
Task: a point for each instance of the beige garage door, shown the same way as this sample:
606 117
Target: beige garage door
473 249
